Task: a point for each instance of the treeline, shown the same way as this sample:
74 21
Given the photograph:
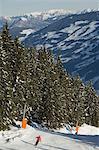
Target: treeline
35 78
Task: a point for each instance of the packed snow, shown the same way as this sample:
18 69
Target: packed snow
63 139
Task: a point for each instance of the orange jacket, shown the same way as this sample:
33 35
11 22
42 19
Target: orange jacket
77 128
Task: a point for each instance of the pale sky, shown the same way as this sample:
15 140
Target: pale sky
20 7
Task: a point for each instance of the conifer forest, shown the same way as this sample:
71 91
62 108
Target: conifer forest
37 79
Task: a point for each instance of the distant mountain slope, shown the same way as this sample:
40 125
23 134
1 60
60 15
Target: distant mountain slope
33 21
77 36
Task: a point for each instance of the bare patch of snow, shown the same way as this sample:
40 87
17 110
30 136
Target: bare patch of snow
26 32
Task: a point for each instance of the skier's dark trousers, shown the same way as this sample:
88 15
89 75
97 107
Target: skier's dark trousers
38 140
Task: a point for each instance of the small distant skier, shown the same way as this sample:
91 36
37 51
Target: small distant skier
38 139
77 128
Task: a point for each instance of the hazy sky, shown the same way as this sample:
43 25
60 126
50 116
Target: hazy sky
19 7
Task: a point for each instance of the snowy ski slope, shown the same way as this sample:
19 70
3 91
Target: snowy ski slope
24 139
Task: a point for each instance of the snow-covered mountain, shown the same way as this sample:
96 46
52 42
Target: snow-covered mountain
77 35
32 22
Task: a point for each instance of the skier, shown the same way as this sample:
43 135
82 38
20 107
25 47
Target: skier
38 140
77 128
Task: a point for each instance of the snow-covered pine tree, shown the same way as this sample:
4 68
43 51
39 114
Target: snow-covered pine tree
60 96
7 88
91 106
2 123
76 104
44 109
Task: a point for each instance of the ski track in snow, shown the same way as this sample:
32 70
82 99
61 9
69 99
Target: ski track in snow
24 139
